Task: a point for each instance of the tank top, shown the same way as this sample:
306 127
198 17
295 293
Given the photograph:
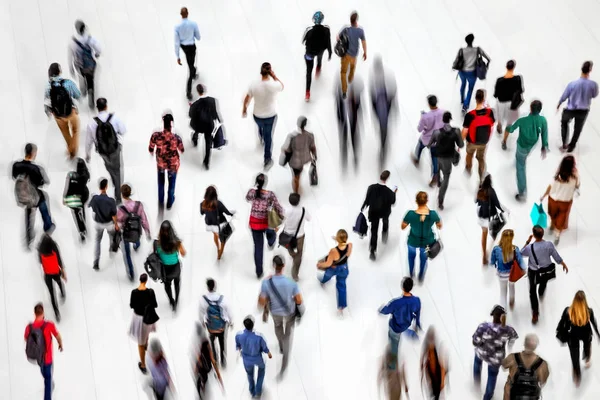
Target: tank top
343 259
50 264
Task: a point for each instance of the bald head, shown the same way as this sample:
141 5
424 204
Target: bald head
184 12
531 342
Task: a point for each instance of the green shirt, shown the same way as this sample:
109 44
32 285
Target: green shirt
421 233
168 258
530 129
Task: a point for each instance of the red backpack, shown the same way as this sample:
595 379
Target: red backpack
480 128
50 264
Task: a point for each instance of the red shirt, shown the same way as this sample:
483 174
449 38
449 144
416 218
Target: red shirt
50 264
168 146
49 331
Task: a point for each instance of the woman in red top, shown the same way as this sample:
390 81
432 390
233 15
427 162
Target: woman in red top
49 257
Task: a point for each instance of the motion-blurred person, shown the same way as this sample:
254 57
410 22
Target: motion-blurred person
76 195
132 220
295 218
336 264
205 361
353 34
83 52
300 147
317 39
487 208
467 71
349 113
216 315
527 372
262 200
186 34
560 195
251 347
434 365
383 98
161 381
477 128
344 127
105 216
502 259
446 141
380 199
490 341
392 378
169 247
421 235
29 178
508 92
214 216
143 303
203 114
264 92
168 147
580 94
429 122
54 270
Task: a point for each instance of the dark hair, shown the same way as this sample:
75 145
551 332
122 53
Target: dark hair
210 199
126 190
278 263
432 100
483 193
302 121
353 17
469 39
53 70
144 278
184 12
447 117
510 65
536 107
38 310
407 284
248 323
82 170
30 148
294 199
260 182
538 232
422 198
200 89
384 175
103 184
80 26
167 238
210 284
566 169
101 104
167 120
587 67
480 95
265 69
47 245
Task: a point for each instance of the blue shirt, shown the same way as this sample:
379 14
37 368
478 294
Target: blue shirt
287 289
69 85
497 260
403 309
580 94
252 347
354 35
185 33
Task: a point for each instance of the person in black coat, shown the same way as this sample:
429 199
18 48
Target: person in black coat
76 187
380 200
317 39
203 113
214 216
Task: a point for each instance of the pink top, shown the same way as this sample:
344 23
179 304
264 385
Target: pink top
130 206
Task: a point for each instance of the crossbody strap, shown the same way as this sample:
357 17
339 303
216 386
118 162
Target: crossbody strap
300 223
276 293
534 256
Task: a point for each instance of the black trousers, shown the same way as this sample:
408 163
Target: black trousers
309 68
173 275
534 281
86 84
49 283
208 141
220 336
375 229
79 217
190 57
574 351
567 115
349 127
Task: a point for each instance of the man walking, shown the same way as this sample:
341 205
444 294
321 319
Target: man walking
83 52
353 33
251 347
203 114
295 218
530 128
380 200
580 94
186 34
540 267
105 216
317 39
477 128
282 296
216 314
383 98
105 132
429 122
522 367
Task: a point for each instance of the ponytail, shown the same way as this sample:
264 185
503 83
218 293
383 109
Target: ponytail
167 122
261 181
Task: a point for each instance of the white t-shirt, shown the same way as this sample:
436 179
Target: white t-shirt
564 191
214 296
292 218
264 95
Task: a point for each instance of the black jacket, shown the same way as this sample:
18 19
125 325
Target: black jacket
36 174
446 140
203 114
380 200
215 217
317 39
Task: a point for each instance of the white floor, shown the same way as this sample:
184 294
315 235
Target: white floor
332 358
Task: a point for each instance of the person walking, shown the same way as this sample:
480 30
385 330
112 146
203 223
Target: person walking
434 365
105 216
214 217
282 296
216 316
380 199
205 361
168 147
579 94
264 92
54 270
520 381
132 218
300 147
477 128
354 34
487 209
317 39
490 341
336 264
429 122
169 247
251 346
467 69
29 178
105 132
262 200
503 256
143 303
508 92
40 327
446 141
60 101
161 382
575 325
203 113
76 195
295 218
84 50
541 269
347 119
421 235
392 378
560 195
383 100
186 34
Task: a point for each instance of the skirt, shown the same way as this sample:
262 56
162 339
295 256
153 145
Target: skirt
215 228
559 213
139 331
505 114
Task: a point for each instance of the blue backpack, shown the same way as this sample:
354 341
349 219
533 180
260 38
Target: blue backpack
85 58
215 318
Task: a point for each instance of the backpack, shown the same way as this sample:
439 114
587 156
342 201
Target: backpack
35 346
342 44
215 318
361 227
154 266
481 127
25 193
525 384
60 99
132 228
85 58
106 137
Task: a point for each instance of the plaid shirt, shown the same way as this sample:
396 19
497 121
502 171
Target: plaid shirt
168 146
490 342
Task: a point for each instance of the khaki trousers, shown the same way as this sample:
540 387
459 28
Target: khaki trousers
69 127
480 149
347 61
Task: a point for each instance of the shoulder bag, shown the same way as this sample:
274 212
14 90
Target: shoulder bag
544 273
274 219
563 330
516 272
481 68
150 315
497 220
288 241
297 313
431 250
459 61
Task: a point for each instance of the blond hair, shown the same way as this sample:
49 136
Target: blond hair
579 312
506 244
341 236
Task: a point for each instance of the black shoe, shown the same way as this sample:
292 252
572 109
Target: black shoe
570 149
57 316
143 369
440 207
194 139
521 198
384 237
372 256
259 276
344 96
206 166
96 267
196 77
223 362
189 96
504 145
82 238
268 164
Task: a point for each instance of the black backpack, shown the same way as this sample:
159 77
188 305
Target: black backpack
106 137
154 266
525 384
342 44
60 99
132 228
35 347
85 58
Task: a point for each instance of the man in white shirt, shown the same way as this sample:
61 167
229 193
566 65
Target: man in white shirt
265 112
295 218
105 132
216 315
83 52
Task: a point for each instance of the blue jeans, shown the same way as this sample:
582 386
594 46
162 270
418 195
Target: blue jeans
394 338
521 157
259 243
412 254
46 218
127 255
47 374
255 388
265 131
434 160
492 377
172 177
471 78
341 273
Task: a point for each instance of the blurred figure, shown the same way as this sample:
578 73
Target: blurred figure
300 147
354 33
169 247
429 122
467 69
477 128
216 315
214 216
105 216
83 52
186 34
487 208
527 372
502 259
317 39
392 378
205 362
295 218
508 92
251 347
434 365
203 114
336 264
161 381
383 98
347 117
380 199
76 195
143 303
54 270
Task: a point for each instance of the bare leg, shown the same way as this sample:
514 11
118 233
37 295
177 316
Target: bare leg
296 183
484 235
142 351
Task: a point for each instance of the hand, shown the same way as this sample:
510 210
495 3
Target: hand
116 227
244 113
60 347
179 61
529 238
365 57
64 275
565 269
544 154
270 355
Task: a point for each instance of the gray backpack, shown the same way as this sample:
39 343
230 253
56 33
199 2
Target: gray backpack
35 347
25 193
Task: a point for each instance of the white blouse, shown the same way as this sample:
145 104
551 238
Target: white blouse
564 191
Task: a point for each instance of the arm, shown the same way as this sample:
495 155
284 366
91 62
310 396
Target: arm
418 315
484 54
180 144
66 189
544 135
367 199
71 59
546 193
152 143
224 209
594 323
196 32
131 305
313 147
182 250
564 96
246 103
329 42
478 336
154 303
58 339
514 126
95 45
250 195
144 218
177 43
89 140
459 140
277 206
364 47
465 132
520 259
72 89
329 261
215 365
421 127
495 201
508 361
264 348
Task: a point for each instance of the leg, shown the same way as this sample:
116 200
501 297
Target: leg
469 157
532 275
177 282
491 382
208 142
587 349
477 363
374 229
79 216
419 150
82 83
250 373
344 73
446 170
352 69
481 160
329 273
278 325
574 351
521 160
142 353
161 187
343 128
288 336
261 127
73 121
48 279
542 289
268 136
412 253
271 237
46 218
259 244
309 68
567 116
61 287
463 85
484 236
63 125
126 249
394 340
28 226
172 176
167 282
222 349
383 130
99 234
434 162
190 56
47 374
259 379
113 166
340 286
423 263
385 229
580 118
503 290
471 79
297 257
511 294
295 181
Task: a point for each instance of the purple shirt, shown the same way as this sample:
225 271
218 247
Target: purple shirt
130 206
580 94
430 121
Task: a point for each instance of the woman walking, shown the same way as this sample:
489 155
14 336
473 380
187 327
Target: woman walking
487 208
143 303
560 196
214 216
159 370
299 147
169 247
125 212
392 378
433 366
76 194
205 361
262 201
53 268
336 264
467 69
503 256
421 221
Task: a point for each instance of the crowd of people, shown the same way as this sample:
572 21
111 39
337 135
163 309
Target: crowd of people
125 220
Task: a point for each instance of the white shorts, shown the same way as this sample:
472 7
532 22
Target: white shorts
504 115
484 222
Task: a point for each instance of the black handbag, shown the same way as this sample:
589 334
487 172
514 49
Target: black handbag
459 61
297 311
115 241
431 250
544 273
314 177
288 241
564 328
150 315
225 232
481 68
497 220
455 158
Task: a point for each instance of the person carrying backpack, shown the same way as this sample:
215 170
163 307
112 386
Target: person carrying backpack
348 38
83 52
54 270
76 195
527 372
59 101
38 346
217 317
477 128
132 220
317 39
105 131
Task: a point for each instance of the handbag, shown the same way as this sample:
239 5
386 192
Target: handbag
225 232
297 312
115 241
150 315
516 272
288 241
538 215
481 68
459 61
431 250
563 330
314 177
544 273
286 155
455 158
274 218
